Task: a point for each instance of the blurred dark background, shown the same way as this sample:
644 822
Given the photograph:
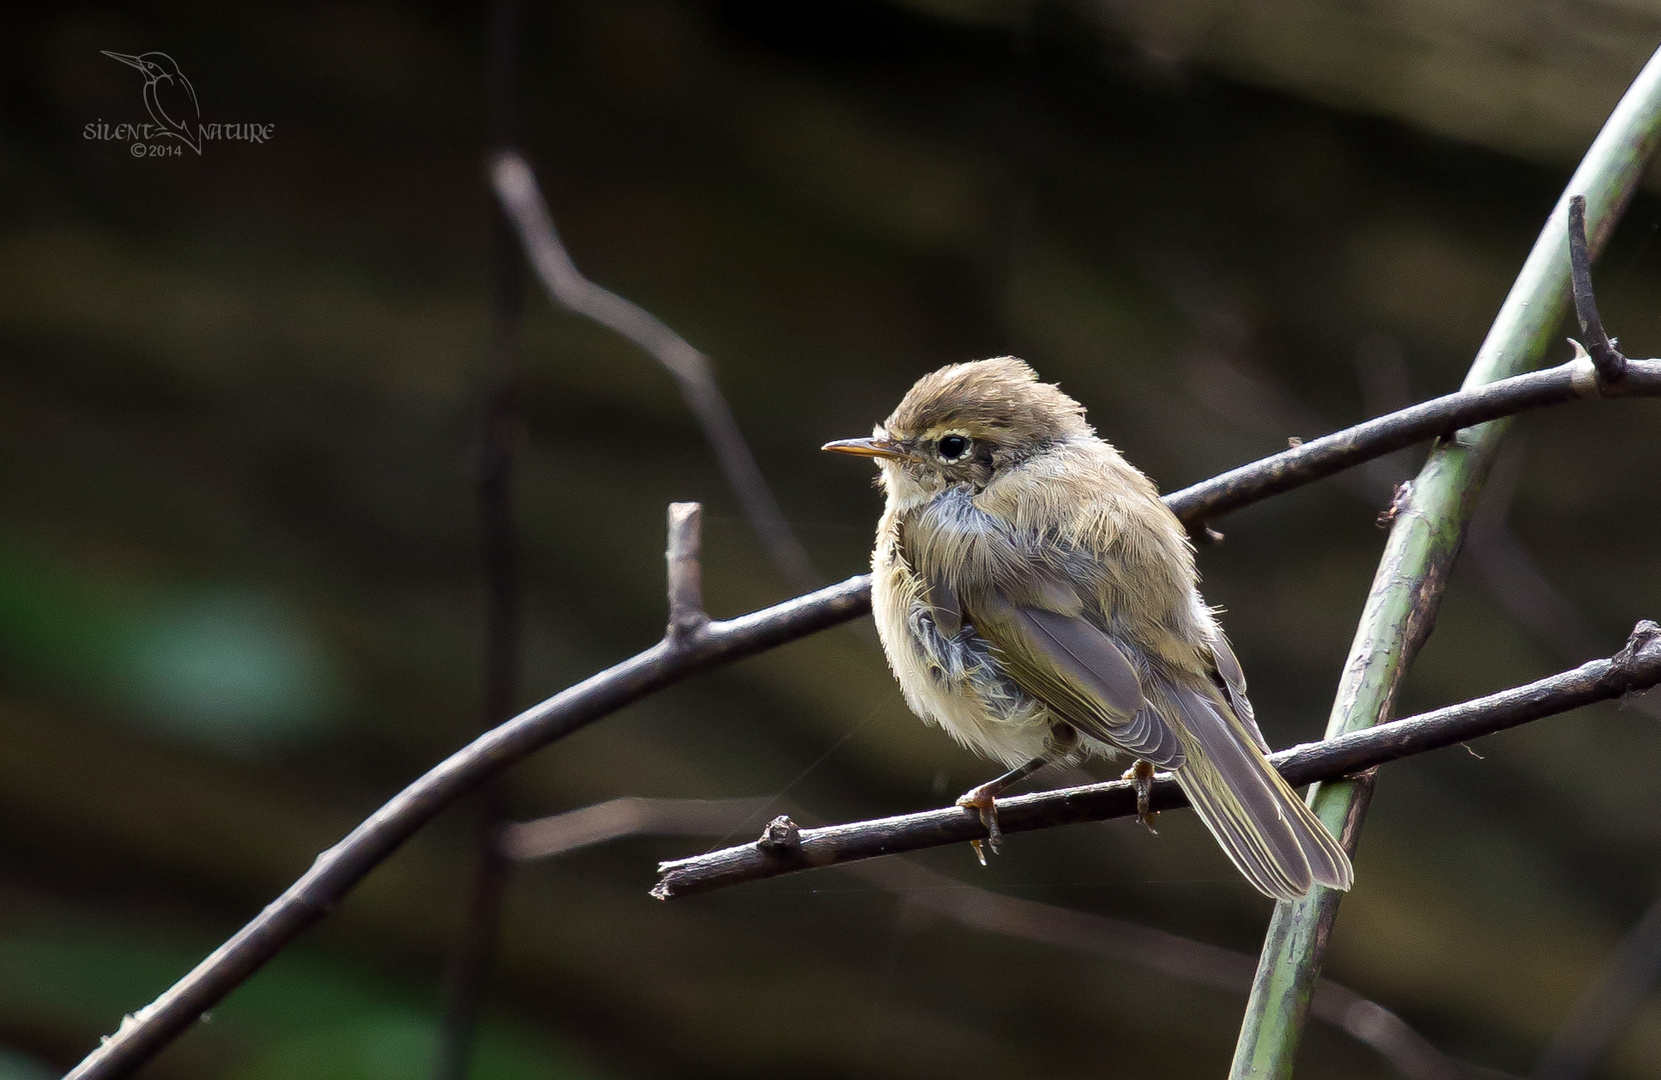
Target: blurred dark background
240 602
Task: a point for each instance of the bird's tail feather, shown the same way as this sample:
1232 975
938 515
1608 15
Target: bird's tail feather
1266 830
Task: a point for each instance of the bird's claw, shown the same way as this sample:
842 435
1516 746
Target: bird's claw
984 803
1141 774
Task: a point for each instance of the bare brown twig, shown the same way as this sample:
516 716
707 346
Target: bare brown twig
715 644
1512 576
1330 454
521 198
1635 667
1607 359
1047 924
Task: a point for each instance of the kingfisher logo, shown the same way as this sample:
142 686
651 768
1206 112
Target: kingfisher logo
175 114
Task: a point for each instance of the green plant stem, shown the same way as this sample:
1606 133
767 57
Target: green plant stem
1429 526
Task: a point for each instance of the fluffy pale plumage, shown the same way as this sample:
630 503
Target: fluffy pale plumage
1034 586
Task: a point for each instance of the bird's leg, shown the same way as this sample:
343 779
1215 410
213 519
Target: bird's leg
1142 774
984 799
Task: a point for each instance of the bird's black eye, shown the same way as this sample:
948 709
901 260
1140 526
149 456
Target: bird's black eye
953 446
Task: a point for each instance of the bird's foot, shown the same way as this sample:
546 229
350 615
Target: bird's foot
1141 774
984 801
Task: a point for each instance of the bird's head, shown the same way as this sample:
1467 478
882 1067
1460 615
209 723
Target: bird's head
963 423
154 65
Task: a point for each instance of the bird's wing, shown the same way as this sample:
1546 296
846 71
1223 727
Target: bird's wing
1075 668
1231 680
1036 622
938 593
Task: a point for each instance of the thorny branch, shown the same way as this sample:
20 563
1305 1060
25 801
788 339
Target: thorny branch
1635 668
675 659
522 200
983 909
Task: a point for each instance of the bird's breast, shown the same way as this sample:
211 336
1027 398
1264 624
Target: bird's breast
950 679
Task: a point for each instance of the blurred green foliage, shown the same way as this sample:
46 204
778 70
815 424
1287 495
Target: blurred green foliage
224 665
239 596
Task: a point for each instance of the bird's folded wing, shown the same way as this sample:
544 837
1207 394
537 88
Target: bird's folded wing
1074 667
938 593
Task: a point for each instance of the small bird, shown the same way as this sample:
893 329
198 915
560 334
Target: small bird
168 95
1037 600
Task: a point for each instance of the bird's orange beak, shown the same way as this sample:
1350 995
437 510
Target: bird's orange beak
877 448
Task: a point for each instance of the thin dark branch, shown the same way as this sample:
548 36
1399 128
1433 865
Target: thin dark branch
1510 573
1608 1005
468 968
469 965
630 816
1252 401
719 643
982 909
1636 667
1610 364
521 198
1319 458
